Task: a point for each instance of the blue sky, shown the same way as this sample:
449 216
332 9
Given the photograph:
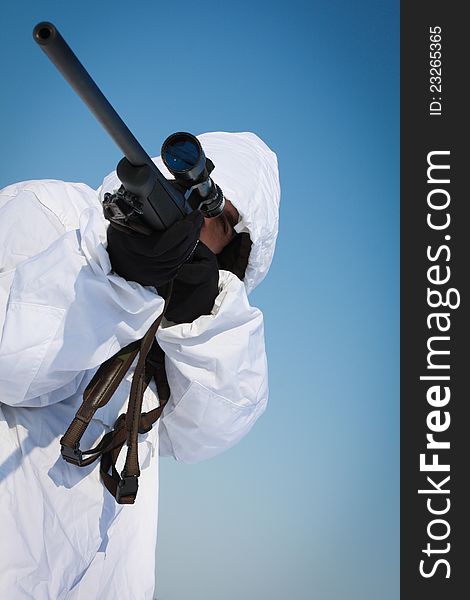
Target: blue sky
307 505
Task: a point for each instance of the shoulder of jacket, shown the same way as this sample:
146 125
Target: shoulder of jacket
66 200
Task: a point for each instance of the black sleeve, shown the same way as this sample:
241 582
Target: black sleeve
154 259
195 288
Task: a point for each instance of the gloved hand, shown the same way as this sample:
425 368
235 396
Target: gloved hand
195 287
156 258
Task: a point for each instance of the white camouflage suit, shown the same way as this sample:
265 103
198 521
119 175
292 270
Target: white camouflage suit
63 312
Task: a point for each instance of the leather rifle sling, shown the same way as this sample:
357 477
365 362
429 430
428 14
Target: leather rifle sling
124 488
128 426
97 394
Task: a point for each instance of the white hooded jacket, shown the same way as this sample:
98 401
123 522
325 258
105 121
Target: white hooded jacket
63 312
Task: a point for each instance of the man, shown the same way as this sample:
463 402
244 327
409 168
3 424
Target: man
63 312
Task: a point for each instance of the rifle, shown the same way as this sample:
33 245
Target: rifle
146 199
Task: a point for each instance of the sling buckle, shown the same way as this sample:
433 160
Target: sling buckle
72 455
127 486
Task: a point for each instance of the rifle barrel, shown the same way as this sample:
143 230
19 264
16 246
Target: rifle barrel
164 205
47 36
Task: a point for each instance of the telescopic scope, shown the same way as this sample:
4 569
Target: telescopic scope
184 157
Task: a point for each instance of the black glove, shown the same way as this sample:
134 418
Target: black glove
195 287
156 258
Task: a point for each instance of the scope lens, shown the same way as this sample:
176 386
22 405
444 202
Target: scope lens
181 154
